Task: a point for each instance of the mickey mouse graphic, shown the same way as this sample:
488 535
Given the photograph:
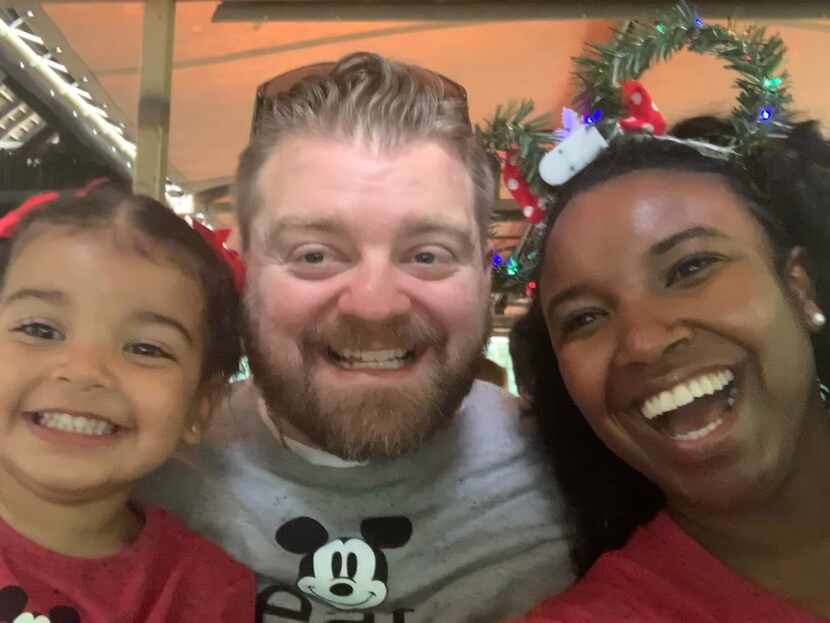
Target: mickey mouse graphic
13 601
348 573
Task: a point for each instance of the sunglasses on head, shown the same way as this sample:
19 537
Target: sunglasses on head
268 91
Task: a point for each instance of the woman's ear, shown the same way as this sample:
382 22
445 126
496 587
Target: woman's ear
201 413
803 290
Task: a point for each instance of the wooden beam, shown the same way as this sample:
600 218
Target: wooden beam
154 99
493 10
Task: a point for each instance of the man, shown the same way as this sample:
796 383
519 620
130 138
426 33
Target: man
352 479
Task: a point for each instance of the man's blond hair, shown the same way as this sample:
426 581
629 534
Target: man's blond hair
379 102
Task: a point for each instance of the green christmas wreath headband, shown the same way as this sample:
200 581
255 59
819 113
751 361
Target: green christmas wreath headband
613 105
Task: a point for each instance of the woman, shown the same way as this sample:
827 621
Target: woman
676 340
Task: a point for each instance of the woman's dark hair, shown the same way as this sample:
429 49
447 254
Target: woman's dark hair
170 238
786 187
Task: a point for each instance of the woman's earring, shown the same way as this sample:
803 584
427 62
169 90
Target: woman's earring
818 319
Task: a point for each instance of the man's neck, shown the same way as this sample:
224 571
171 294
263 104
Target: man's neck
282 429
290 437
81 528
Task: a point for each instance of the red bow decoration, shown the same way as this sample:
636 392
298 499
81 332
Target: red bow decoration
216 239
92 185
11 219
643 115
520 190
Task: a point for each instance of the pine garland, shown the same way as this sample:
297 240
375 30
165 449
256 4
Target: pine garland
761 110
512 131
761 107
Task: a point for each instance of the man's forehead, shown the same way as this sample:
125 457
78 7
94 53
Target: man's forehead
331 176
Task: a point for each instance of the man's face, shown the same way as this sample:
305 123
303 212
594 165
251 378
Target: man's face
367 303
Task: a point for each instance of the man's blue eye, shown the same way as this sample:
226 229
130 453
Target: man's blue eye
313 257
425 257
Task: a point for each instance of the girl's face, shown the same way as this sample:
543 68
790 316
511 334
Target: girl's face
687 354
100 362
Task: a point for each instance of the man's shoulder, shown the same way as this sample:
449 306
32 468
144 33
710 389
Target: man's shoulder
486 400
494 411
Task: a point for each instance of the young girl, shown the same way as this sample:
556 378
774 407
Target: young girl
118 331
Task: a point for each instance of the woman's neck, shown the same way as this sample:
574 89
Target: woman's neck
84 528
781 542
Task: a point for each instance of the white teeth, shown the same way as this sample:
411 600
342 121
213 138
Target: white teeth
73 424
686 393
682 395
374 359
696 389
700 433
373 355
393 364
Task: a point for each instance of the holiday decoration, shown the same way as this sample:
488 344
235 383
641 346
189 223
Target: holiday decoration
521 193
571 155
217 239
11 219
643 115
760 111
615 105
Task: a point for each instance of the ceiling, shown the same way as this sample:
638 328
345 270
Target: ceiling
219 64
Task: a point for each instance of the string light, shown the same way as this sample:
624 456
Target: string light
592 118
772 84
766 114
497 260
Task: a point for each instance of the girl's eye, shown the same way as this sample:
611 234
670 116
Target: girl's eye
690 267
39 331
144 349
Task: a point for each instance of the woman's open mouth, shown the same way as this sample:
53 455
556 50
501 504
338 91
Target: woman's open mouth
693 409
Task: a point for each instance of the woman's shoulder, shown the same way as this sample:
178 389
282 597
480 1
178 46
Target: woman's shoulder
643 581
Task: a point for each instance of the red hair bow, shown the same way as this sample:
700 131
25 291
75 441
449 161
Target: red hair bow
216 239
11 219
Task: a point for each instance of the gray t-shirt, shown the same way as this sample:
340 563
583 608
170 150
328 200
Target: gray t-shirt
467 529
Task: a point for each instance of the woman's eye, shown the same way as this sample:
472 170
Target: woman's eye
144 349
580 321
39 331
689 267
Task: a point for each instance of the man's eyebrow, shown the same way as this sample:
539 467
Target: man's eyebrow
147 316
462 234
664 246
55 297
316 223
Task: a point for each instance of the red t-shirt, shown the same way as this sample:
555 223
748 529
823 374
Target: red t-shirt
168 574
663 576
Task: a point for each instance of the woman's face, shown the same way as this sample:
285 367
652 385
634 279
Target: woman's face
689 357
